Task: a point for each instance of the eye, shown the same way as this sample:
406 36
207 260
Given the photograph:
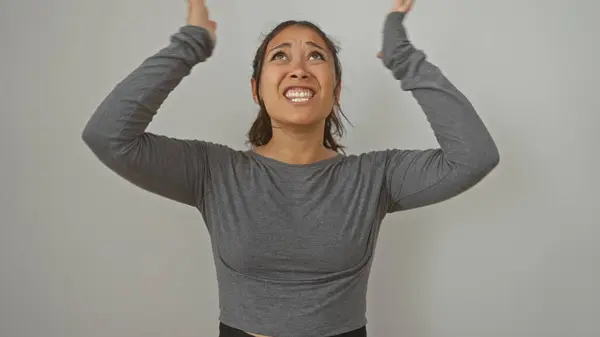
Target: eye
318 55
278 56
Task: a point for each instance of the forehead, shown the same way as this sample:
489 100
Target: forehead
297 35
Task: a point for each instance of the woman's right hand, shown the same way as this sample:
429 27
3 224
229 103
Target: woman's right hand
198 16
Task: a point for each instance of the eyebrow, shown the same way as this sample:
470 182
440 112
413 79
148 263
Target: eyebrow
287 44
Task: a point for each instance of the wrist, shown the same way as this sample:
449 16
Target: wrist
393 26
396 14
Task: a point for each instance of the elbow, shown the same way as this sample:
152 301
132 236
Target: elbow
102 147
477 165
93 139
109 147
495 160
489 164
492 157
486 161
98 140
88 136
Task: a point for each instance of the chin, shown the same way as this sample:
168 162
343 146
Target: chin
288 113
299 119
300 122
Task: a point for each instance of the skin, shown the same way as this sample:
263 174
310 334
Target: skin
297 57
303 60
298 128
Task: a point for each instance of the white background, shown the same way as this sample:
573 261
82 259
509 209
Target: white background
83 253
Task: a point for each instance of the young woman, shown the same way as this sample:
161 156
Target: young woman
293 221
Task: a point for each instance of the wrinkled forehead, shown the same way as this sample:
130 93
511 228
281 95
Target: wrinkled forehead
297 36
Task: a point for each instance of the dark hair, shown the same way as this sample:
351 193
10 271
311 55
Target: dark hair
261 131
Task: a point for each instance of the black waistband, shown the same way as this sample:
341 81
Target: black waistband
228 331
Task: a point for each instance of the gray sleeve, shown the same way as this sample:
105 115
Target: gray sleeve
116 132
467 153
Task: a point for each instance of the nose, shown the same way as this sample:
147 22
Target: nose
299 71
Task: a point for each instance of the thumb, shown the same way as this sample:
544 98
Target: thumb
212 24
379 55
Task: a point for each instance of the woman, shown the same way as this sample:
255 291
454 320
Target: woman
293 222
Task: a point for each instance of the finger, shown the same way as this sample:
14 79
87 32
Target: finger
212 25
196 3
403 5
379 55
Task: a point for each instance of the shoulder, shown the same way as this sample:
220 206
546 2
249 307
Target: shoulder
219 152
368 165
374 158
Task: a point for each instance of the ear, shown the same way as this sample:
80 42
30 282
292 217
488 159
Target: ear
254 90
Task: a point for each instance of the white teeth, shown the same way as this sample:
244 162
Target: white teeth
299 95
299 100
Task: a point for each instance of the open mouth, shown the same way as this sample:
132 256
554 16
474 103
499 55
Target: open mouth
299 95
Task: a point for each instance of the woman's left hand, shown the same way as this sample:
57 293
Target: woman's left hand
403 6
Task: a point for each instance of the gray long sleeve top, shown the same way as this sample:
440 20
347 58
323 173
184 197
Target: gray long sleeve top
292 244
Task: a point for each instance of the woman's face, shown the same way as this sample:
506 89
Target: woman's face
297 82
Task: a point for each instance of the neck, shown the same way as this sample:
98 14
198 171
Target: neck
296 147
